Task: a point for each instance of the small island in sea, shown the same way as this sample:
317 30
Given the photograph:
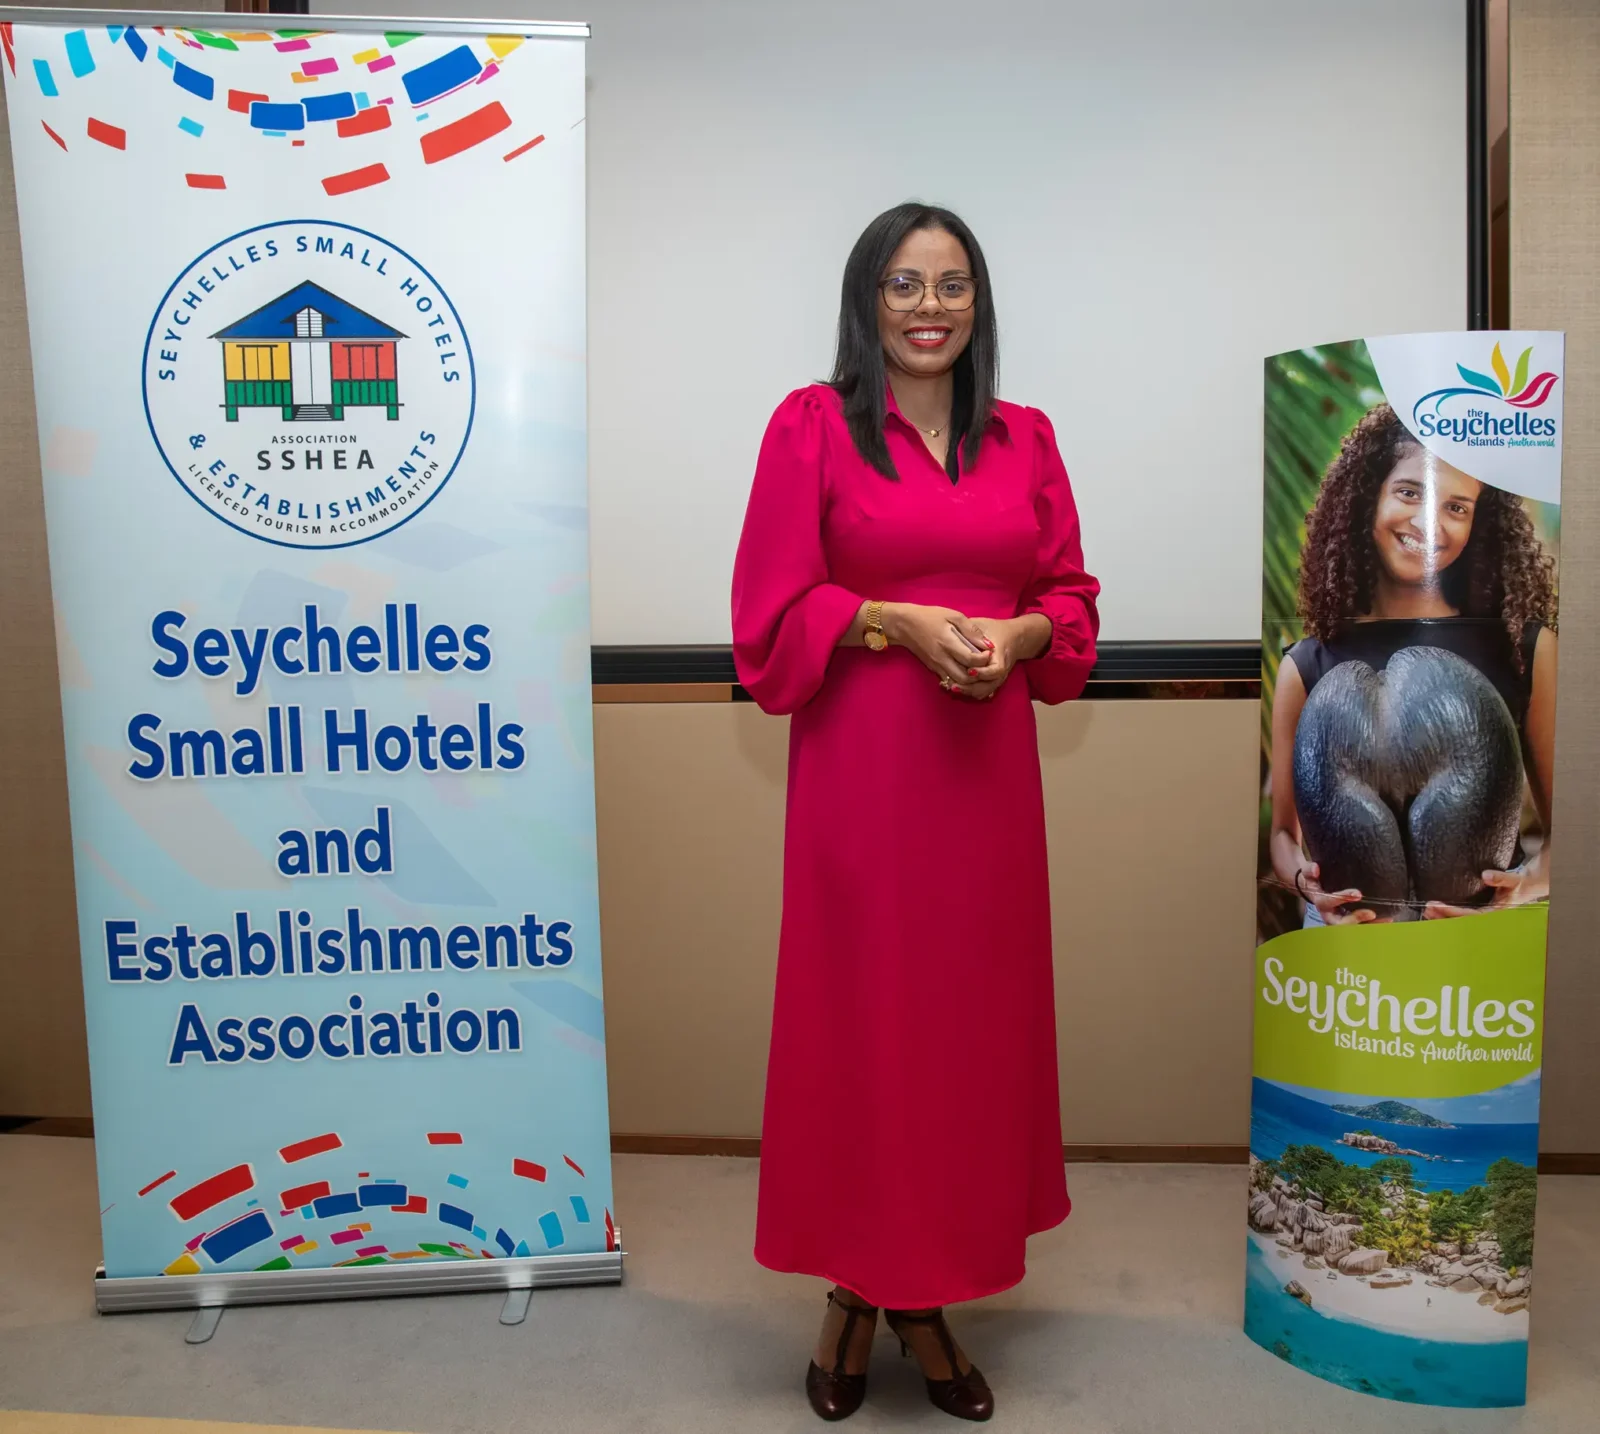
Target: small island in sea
1381 1145
1396 1113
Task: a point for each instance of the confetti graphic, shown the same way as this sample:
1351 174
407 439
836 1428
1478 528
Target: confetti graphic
303 1195
440 77
234 1240
367 121
522 149
363 178
236 1236
305 1149
330 107
158 1181
292 107
193 80
107 134
212 1192
462 134
78 56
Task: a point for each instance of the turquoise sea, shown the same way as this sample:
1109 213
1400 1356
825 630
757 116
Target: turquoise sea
1461 1156
1376 1361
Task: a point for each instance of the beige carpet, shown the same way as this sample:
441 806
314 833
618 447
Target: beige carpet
1127 1324
28 1421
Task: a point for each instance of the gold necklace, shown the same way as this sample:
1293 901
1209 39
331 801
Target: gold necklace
931 432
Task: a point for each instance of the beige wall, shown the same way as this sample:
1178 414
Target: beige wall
1555 284
42 1054
1150 803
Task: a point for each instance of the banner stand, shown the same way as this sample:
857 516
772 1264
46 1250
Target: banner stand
135 1294
316 496
1409 653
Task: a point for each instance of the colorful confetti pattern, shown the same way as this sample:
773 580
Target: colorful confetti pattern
396 1221
335 90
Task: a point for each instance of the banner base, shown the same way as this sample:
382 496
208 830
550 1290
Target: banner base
128 1295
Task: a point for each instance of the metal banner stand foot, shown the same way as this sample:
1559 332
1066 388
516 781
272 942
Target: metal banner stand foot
515 1309
204 1324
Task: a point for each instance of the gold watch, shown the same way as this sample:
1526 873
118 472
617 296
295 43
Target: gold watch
874 636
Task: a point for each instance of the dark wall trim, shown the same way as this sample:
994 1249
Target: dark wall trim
1477 164
1578 1163
652 665
1120 663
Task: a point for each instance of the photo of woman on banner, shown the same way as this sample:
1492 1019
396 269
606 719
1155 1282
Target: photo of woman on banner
1412 727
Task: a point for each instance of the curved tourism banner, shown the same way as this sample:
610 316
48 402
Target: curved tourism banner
307 321
1408 730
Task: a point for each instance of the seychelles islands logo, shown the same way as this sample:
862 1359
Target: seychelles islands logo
309 384
1490 410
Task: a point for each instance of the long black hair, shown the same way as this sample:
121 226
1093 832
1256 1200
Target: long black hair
858 369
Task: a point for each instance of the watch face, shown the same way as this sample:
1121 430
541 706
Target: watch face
876 640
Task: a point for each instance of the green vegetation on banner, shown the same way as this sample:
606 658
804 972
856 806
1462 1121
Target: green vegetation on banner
1404 1009
1313 398
1405 1222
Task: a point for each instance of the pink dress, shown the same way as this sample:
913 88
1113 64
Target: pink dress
912 1134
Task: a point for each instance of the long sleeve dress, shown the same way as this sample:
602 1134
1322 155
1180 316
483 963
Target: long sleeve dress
912 1133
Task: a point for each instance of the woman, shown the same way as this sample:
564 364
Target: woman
909 578
1404 551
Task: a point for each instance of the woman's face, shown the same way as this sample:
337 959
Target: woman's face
1424 517
927 340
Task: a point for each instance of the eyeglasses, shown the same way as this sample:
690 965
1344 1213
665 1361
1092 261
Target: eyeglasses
903 293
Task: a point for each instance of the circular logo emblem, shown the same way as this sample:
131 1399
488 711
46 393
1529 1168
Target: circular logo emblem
309 384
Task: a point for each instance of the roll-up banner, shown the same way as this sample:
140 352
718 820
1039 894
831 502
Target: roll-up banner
1413 490
307 320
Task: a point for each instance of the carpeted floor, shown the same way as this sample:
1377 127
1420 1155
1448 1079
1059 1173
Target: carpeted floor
1127 1324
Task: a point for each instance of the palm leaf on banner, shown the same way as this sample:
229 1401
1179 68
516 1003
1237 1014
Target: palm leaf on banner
1313 398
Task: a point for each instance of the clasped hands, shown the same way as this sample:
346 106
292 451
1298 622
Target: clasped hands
972 657
1521 884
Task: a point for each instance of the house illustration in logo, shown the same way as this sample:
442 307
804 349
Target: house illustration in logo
312 355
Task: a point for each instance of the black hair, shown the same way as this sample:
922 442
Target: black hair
858 369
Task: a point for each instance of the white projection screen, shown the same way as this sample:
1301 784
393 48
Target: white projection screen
1166 192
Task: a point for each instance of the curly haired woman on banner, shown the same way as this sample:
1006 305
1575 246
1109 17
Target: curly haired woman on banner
1404 551
909 579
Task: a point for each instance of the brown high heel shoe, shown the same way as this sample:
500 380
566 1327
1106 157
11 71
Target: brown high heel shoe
835 1394
967 1396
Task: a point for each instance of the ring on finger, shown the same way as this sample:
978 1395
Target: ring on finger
947 683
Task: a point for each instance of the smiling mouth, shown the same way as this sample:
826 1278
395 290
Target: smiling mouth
927 338
1416 546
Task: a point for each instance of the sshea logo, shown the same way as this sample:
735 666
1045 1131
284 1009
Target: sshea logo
1490 410
309 384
